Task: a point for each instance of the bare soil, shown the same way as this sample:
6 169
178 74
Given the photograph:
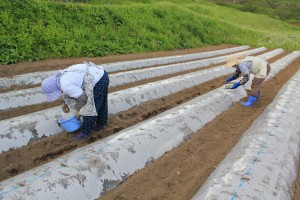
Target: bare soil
296 24
54 64
38 107
179 173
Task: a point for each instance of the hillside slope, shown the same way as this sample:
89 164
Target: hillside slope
286 10
61 30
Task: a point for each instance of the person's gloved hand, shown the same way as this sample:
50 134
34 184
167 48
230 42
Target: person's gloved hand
230 79
236 85
65 108
232 86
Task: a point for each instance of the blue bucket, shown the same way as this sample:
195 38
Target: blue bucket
70 125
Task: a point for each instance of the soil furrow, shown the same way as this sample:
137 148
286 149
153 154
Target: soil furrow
38 107
179 173
14 87
46 149
54 64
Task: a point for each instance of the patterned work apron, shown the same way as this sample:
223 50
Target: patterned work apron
89 108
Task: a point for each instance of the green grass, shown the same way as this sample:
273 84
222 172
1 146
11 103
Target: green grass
286 10
33 30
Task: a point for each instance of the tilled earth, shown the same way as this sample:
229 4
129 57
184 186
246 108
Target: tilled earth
179 173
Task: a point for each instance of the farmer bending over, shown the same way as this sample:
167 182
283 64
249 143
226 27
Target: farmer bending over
246 65
84 88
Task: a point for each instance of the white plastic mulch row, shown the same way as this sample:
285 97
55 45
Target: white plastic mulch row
37 77
88 172
126 99
264 163
19 131
25 97
133 76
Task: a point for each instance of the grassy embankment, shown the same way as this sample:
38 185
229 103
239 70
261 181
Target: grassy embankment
286 10
35 29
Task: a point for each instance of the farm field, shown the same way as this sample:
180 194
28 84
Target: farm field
178 173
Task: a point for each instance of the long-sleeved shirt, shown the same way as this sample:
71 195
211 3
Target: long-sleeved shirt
251 64
71 80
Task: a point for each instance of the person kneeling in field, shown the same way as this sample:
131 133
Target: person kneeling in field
246 65
84 88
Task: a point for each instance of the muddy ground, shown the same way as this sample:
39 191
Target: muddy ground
179 173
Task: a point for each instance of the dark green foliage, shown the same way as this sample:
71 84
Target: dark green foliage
33 30
38 29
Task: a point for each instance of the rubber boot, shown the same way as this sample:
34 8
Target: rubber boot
80 136
250 101
98 127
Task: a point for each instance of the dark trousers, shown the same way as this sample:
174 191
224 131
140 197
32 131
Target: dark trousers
100 99
256 82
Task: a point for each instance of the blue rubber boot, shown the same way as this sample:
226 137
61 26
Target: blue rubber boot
250 101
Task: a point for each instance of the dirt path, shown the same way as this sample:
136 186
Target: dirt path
296 24
179 173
